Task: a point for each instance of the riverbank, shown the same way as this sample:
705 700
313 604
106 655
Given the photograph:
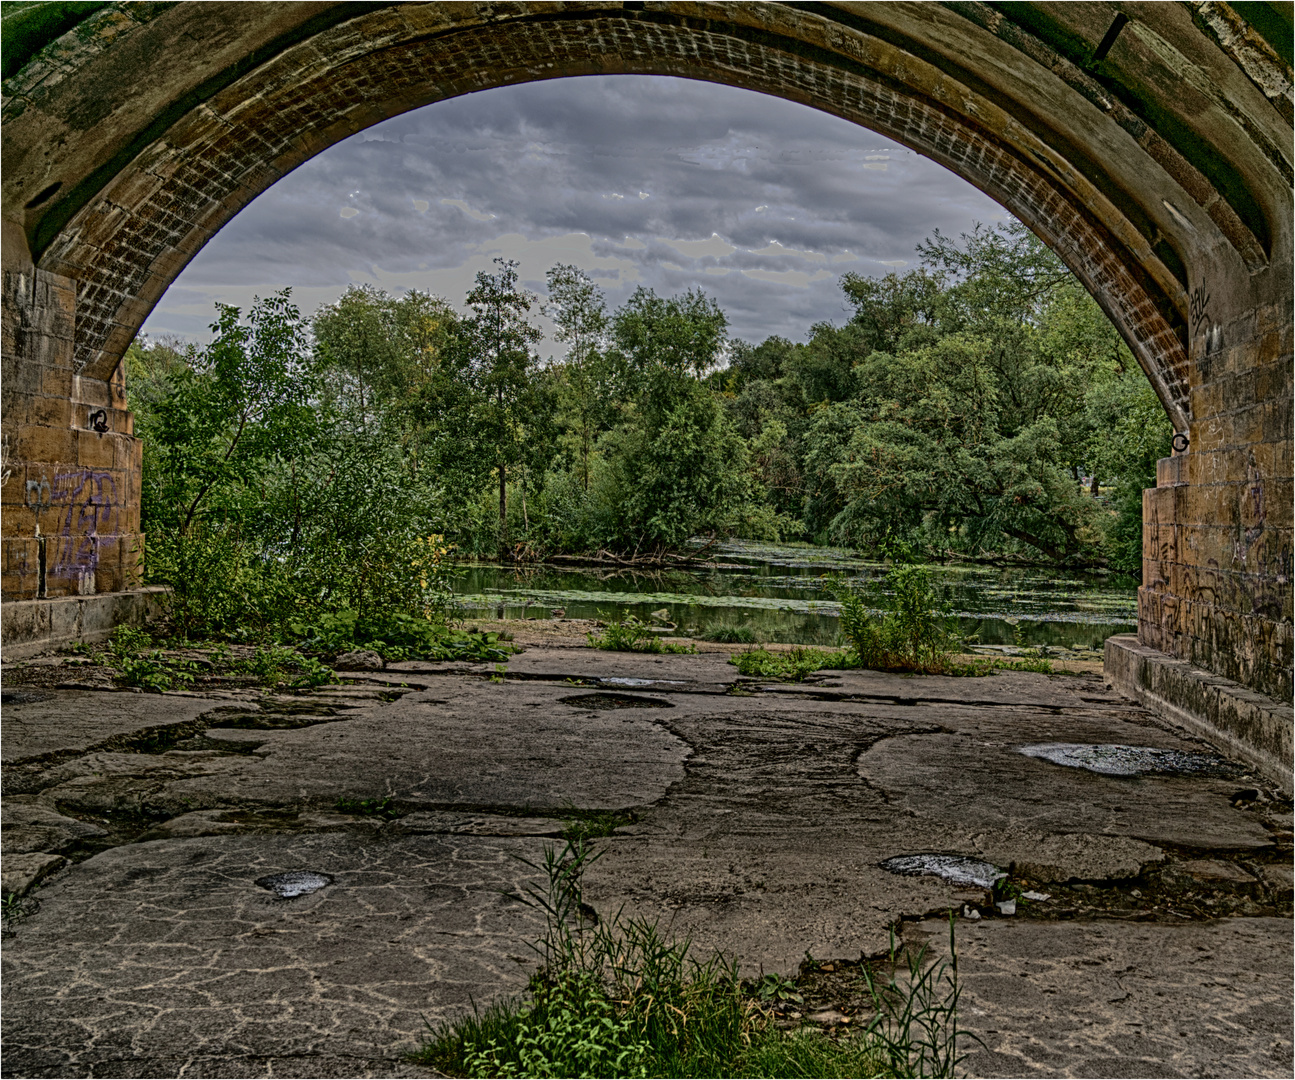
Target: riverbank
574 633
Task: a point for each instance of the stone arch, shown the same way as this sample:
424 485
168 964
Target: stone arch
1149 145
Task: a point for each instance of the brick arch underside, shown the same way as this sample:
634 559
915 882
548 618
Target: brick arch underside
130 242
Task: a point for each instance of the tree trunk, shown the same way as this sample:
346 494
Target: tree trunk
526 521
503 511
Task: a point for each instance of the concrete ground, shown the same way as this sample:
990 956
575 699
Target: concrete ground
754 819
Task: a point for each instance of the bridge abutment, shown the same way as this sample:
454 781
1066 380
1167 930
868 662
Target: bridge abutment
70 499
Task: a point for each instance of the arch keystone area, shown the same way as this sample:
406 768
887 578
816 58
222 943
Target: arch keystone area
1149 144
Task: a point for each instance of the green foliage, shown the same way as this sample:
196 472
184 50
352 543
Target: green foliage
379 806
297 471
960 407
155 672
792 665
584 825
729 634
915 631
772 987
916 1025
629 633
615 997
395 636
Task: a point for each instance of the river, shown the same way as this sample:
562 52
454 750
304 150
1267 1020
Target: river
778 590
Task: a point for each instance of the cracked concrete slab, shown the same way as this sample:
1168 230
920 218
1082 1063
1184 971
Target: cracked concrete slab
756 825
1124 999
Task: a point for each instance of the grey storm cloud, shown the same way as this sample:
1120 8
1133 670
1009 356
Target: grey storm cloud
656 182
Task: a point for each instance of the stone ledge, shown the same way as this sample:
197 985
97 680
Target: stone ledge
29 627
1246 724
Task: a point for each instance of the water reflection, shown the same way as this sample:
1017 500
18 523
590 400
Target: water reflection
779 592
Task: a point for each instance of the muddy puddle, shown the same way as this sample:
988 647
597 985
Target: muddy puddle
614 701
1113 759
956 869
295 883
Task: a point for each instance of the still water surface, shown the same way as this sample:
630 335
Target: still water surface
778 591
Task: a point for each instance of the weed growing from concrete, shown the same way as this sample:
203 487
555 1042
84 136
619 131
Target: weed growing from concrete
584 825
793 665
155 672
618 998
14 908
916 1023
375 807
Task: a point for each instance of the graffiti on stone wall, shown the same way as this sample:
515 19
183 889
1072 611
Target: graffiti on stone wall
82 504
1199 308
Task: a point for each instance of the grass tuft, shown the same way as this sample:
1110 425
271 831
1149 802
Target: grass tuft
731 634
793 665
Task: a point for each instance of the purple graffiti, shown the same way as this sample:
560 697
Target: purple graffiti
87 505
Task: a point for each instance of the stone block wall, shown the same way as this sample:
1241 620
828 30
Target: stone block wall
1217 531
71 464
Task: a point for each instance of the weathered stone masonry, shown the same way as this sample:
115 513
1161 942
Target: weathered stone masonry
1160 170
70 492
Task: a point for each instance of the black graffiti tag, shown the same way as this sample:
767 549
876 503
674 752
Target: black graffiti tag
1200 307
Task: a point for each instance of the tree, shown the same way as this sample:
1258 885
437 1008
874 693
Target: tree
381 356
495 350
680 464
578 307
666 340
247 398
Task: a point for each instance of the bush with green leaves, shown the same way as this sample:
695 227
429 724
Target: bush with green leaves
913 631
395 636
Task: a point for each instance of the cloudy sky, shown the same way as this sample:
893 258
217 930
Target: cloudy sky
639 180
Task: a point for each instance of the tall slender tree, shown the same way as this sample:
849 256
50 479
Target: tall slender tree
578 307
497 342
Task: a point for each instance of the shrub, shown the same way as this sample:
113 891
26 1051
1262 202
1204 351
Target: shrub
629 633
914 633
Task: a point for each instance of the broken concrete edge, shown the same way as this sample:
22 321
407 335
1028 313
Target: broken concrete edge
31 627
1242 722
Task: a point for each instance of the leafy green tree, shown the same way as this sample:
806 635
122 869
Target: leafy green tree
679 465
381 357
496 357
248 398
667 340
585 378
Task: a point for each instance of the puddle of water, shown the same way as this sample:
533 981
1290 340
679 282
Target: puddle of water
957 869
640 682
295 883
23 697
614 701
1114 759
